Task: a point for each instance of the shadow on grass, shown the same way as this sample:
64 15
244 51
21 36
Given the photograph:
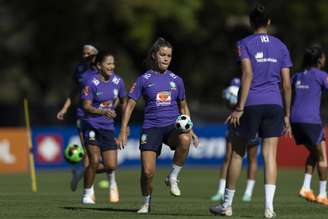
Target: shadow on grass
153 213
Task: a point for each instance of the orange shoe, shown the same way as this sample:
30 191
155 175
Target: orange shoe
307 195
322 200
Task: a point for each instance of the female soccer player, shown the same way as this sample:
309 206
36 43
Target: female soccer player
265 63
99 96
306 122
164 95
83 71
251 153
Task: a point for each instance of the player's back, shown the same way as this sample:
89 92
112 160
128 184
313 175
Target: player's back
268 55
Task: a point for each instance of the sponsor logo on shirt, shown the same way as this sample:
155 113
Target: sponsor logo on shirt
150 85
99 93
116 80
299 85
173 85
143 139
259 56
163 98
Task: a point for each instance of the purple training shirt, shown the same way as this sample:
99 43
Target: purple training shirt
103 95
308 86
161 92
268 56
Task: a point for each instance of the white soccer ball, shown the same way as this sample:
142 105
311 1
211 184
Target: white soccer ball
183 123
231 94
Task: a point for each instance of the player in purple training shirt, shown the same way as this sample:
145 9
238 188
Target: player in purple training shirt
306 122
230 95
99 97
82 72
164 95
265 64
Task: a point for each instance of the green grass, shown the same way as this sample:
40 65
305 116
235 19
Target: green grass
55 200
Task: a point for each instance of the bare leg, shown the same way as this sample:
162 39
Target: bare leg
148 168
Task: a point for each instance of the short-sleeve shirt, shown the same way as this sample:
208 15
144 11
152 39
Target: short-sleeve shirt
103 95
268 56
308 86
161 93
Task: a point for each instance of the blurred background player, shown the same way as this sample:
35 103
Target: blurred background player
230 95
99 97
164 95
82 72
306 122
265 63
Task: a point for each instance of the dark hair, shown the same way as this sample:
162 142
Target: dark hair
258 17
100 57
312 55
160 42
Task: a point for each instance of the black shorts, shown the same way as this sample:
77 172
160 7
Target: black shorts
103 138
265 120
254 141
152 139
308 134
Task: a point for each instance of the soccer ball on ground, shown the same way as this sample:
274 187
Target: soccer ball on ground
183 123
73 153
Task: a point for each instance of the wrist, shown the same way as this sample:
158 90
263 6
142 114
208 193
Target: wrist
239 109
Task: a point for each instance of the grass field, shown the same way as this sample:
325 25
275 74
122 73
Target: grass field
55 200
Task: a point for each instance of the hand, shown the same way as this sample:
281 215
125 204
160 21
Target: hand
195 139
234 118
110 114
287 128
122 138
60 114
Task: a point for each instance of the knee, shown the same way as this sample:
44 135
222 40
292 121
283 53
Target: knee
110 167
94 163
148 173
185 140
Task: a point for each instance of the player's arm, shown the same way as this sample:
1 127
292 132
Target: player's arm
246 80
184 109
73 91
127 112
287 96
87 106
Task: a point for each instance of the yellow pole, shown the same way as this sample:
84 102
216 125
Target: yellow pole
29 140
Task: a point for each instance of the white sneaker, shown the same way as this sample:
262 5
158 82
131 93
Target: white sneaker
145 209
77 175
268 213
113 195
220 210
88 200
173 184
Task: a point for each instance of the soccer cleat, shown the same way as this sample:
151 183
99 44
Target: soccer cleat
247 198
77 175
217 197
89 200
307 194
173 184
220 210
268 213
113 194
145 209
322 200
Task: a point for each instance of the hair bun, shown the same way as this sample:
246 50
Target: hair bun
260 8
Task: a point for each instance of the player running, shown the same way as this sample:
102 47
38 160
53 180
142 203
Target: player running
164 95
83 71
230 95
99 96
265 63
306 122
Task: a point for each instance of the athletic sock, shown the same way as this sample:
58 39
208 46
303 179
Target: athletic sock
269 191
175 171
